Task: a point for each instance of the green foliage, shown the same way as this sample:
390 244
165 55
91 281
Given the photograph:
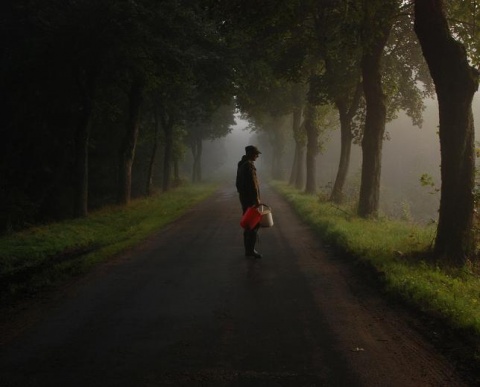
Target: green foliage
341 48
400 252
426 180
43 256
406 78
325 120
464 21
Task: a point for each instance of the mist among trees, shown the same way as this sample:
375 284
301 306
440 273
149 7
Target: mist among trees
365 103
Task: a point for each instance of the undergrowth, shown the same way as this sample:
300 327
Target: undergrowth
43 256
398 250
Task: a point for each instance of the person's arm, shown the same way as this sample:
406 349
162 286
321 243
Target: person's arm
254 192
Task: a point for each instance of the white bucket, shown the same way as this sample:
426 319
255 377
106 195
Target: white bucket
266 220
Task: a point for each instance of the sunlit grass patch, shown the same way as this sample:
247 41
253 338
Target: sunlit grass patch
377 237
399 250
454 297
41 256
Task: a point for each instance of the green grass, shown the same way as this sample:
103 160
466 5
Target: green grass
40 257
398 251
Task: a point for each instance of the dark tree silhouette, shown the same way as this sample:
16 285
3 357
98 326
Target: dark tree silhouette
455 82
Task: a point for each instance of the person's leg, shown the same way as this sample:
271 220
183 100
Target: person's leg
250 239
246 241
250 236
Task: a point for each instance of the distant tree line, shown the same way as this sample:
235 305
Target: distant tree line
95 93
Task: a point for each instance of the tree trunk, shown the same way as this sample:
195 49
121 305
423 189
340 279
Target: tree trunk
176 171
278 148
300 174
345 151
167 162
312 149
193 148
82 136
197 160
293 172
129 143
297 176
455 82
167 125
376 114
149 188
346 115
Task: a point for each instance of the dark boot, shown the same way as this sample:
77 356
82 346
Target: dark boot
250 238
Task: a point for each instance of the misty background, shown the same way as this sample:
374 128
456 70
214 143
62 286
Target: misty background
408 153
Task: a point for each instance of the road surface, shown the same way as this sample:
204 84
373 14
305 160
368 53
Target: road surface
187 308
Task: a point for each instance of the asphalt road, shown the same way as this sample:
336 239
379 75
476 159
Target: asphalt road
187 308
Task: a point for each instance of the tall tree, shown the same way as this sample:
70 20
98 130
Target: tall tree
377 23
297 175
347 109
340 81
455 82
319 119
311 128
154 150
82 137
168 120
127 150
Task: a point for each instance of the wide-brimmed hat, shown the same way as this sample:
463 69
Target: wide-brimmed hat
250 149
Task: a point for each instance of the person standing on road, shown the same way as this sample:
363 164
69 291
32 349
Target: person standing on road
249 193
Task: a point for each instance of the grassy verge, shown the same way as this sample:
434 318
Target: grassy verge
40 257
394 250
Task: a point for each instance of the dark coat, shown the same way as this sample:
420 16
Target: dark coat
247 183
